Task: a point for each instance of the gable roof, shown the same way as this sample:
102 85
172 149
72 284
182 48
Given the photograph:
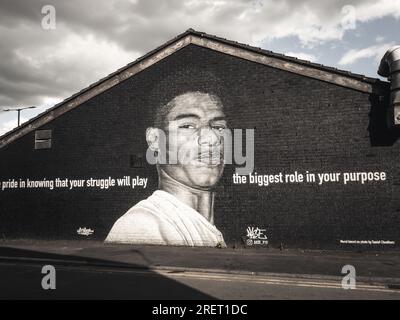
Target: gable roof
302 67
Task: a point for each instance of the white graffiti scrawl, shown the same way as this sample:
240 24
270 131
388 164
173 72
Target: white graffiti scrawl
85 231
256 235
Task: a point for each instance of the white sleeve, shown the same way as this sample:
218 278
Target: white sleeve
137 226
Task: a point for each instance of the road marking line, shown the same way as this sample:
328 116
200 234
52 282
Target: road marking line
286 282
328 284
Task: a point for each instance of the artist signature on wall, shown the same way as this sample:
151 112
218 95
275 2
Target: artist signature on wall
256 236
85 231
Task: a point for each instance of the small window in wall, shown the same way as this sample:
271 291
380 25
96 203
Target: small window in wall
43 139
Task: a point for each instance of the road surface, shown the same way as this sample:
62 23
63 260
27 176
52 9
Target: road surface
24 281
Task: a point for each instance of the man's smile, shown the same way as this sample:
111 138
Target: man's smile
210 158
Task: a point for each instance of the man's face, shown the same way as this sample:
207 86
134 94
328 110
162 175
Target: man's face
194 128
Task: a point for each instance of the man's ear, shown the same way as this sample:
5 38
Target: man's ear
153 138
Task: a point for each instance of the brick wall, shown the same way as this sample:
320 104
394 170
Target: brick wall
301 124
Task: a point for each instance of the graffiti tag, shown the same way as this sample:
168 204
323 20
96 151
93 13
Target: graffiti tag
85 231
256 236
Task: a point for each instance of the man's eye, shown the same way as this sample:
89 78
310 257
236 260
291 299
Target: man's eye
186 126
219 128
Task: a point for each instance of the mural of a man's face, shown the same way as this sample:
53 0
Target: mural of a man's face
194 126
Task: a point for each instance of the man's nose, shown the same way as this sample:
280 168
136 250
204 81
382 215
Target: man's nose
207 136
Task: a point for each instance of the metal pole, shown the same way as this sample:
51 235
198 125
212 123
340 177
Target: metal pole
19 112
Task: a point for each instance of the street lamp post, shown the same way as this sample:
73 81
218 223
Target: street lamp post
19 111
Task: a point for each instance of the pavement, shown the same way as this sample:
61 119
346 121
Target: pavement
381 268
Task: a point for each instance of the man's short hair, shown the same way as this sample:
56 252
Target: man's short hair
161 97
161 113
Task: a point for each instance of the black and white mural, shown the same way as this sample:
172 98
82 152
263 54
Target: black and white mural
206 142
181 210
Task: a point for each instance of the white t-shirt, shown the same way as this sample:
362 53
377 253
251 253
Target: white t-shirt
162 219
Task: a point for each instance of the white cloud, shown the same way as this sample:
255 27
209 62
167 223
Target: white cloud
376 52
48 102
85 59
312 21
369 10
302 55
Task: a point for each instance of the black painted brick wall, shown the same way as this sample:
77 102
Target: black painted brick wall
300 124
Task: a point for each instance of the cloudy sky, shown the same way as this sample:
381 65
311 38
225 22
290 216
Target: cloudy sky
91 38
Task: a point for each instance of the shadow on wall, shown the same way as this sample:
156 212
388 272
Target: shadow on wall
380 132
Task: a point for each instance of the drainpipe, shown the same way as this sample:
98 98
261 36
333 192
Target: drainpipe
390 68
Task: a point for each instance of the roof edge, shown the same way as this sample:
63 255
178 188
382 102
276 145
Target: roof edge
190 36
